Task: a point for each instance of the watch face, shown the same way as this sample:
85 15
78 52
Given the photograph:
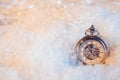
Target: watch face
91 52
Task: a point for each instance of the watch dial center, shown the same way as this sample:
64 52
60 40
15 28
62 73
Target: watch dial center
91 51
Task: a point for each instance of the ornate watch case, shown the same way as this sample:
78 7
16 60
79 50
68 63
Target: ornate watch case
91 49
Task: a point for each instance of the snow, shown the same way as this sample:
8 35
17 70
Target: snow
38 37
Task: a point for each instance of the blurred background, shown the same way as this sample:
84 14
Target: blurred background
37 38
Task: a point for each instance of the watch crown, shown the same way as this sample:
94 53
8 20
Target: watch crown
91 31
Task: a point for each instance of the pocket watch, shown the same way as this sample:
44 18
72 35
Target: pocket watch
91 49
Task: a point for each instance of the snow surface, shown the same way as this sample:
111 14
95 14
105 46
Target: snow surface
38 37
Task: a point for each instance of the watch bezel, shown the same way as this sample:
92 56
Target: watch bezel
96 38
